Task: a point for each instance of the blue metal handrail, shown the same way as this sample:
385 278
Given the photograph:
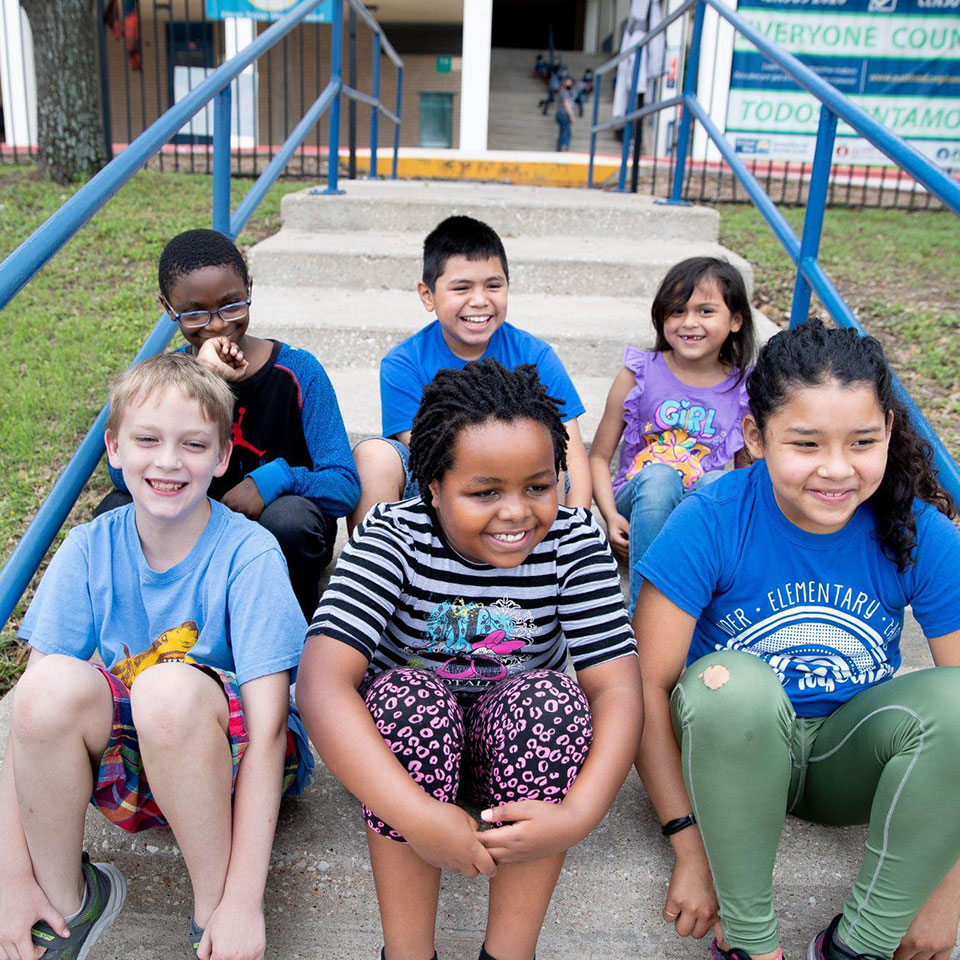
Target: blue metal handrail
31 256
803 250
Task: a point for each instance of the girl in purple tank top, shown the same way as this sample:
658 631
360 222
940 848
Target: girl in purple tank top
678 408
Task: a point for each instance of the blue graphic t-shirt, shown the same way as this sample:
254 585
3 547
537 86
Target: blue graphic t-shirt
228 603
412 364
825 611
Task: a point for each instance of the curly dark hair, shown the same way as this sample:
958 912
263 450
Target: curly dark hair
812 354
194 250
677 288
483 390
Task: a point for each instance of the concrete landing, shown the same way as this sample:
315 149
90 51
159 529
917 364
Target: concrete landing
320 901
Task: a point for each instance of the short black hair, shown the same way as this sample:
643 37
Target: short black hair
460 237
194 250
483 390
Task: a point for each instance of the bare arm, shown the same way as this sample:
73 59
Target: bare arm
22 902
347 739
604 445
236 927
539 829
664 632
578 470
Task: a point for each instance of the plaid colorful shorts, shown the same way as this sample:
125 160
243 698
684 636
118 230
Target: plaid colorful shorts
122 793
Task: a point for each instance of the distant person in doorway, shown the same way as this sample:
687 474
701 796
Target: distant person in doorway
565 115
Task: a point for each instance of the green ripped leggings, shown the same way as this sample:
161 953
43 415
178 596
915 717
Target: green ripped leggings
889 757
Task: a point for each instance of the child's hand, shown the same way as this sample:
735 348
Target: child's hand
691 904
21 905
448 839
233 933
618 533
535 829
244 498
224 358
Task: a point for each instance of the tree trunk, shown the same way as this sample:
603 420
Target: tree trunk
70 144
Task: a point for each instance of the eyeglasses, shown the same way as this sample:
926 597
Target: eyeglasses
194 319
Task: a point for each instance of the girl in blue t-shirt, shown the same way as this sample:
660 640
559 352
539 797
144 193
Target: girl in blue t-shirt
782 588
678 407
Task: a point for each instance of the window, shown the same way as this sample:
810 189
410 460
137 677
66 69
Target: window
436 119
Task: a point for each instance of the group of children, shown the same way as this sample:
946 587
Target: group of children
472 649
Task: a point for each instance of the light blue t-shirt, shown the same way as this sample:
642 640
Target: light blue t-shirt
412 364
228 603
825 611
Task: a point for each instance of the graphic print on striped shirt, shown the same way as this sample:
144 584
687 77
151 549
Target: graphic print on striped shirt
402 596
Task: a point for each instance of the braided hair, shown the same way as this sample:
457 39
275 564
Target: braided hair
483 390
812 354
194 250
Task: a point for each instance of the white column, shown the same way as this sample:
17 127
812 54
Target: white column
591 26
17 76
475 75
713 80
240 32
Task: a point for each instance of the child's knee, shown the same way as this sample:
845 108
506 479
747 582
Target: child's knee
379 464
731 686
55 694
406 695
172 702
660 483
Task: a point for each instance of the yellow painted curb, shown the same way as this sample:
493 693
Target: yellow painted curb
532 173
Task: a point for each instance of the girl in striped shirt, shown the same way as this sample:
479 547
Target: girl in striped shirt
434 670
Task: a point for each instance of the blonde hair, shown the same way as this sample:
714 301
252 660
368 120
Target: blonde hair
182 372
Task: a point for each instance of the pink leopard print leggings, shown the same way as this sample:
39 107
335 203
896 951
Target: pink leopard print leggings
525 739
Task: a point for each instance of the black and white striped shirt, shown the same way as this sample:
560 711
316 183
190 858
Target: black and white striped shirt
402 596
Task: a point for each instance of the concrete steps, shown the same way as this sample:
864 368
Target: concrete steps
516 122
340 277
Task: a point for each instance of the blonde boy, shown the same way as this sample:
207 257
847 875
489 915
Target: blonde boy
191 611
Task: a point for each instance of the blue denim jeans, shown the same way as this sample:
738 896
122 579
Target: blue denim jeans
646 500
563 134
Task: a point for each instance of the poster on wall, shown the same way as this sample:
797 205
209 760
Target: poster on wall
263 10
899 60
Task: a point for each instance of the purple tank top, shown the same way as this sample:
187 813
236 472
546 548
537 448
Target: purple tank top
692 429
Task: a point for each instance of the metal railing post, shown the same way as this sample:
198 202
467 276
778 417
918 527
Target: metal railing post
221 160
813 218
375 110
686 118
352 79
628 129
336 74
396 126
597 80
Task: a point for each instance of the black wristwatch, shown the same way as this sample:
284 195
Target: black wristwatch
675 826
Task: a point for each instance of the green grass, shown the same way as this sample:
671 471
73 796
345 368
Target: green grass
897 269
79 322
83 317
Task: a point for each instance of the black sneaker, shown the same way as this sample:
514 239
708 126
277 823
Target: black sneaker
825 946
104 893
734 953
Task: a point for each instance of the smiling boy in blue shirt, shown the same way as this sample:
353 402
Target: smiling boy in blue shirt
191 612
465 280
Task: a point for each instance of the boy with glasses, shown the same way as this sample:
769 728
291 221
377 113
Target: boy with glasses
291 468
